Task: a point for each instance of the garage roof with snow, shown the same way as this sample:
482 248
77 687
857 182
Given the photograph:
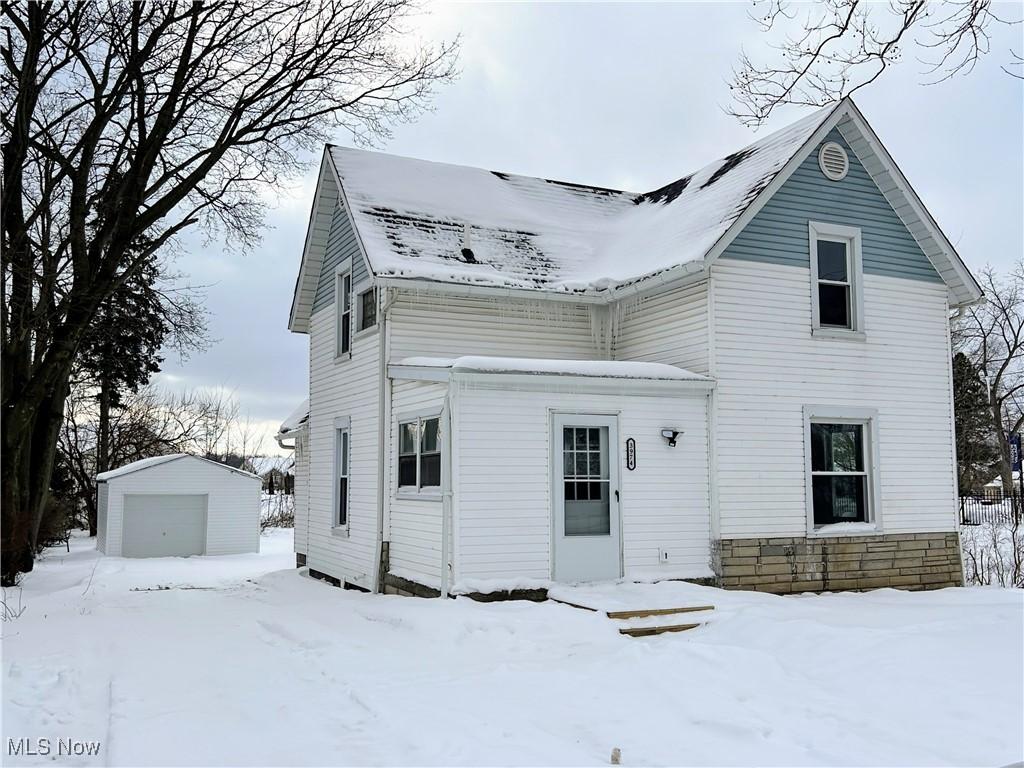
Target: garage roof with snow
154 461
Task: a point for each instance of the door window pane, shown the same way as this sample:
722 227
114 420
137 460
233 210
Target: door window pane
587 510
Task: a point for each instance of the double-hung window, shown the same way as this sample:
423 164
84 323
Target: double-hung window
843 483
419 454
341 472
343 305
836 297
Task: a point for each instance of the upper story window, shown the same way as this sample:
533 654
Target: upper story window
419 454
343 310
836 280
367 304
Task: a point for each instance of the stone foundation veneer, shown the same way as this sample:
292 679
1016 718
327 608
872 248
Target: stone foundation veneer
804 564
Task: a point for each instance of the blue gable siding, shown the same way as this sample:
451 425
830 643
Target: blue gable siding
341 245
778 233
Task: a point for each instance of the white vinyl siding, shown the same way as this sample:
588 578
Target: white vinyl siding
414 527
349 389
233 511
670 326
301 493
503 518
438 326
768 367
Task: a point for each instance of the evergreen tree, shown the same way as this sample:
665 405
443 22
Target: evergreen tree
976 444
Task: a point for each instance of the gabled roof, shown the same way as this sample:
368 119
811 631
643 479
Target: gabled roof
414 218
154 461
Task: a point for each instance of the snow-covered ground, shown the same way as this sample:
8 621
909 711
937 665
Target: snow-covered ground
244 661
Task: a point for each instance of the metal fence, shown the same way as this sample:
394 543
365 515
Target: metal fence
992 505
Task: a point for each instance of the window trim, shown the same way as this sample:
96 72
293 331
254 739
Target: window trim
851 236
416 492
831 414
343 271
341 425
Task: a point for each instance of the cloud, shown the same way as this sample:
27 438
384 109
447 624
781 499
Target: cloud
619 95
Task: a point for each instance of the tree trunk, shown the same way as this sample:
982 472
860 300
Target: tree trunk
29 442
102 448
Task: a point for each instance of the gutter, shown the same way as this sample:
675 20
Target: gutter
446 489
383 425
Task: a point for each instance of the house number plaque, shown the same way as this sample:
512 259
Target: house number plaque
630 454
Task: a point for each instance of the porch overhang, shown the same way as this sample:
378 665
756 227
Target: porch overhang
542 374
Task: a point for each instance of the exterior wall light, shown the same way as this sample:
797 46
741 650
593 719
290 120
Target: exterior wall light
670 436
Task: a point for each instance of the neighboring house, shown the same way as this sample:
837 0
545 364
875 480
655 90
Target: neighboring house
177 505
743 376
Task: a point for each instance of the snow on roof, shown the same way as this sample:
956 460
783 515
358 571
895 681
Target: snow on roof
296 419
608 369
434 221
153 461
135 466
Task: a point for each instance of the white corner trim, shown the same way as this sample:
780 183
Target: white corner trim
851 415
851 237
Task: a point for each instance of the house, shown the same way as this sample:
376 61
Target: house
742 376
175 506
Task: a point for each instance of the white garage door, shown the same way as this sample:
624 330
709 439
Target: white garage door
164 525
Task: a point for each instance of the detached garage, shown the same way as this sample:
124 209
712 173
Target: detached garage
176 506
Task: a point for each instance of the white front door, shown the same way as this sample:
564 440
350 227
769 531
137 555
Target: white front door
585 475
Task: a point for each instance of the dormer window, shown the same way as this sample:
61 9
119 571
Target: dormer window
836 280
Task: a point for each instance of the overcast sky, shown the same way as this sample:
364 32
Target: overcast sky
622 96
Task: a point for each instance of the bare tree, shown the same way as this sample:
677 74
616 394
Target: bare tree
126 124
992 337
830 49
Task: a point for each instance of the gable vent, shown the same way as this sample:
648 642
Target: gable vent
833 161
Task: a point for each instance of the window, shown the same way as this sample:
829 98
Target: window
367 309
834 289
835 279
838 473
343 304
341 464
419 454
842 484
587 481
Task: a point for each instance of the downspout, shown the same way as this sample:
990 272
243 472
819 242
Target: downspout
383 425
446 487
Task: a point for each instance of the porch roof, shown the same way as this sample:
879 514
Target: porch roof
599 369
